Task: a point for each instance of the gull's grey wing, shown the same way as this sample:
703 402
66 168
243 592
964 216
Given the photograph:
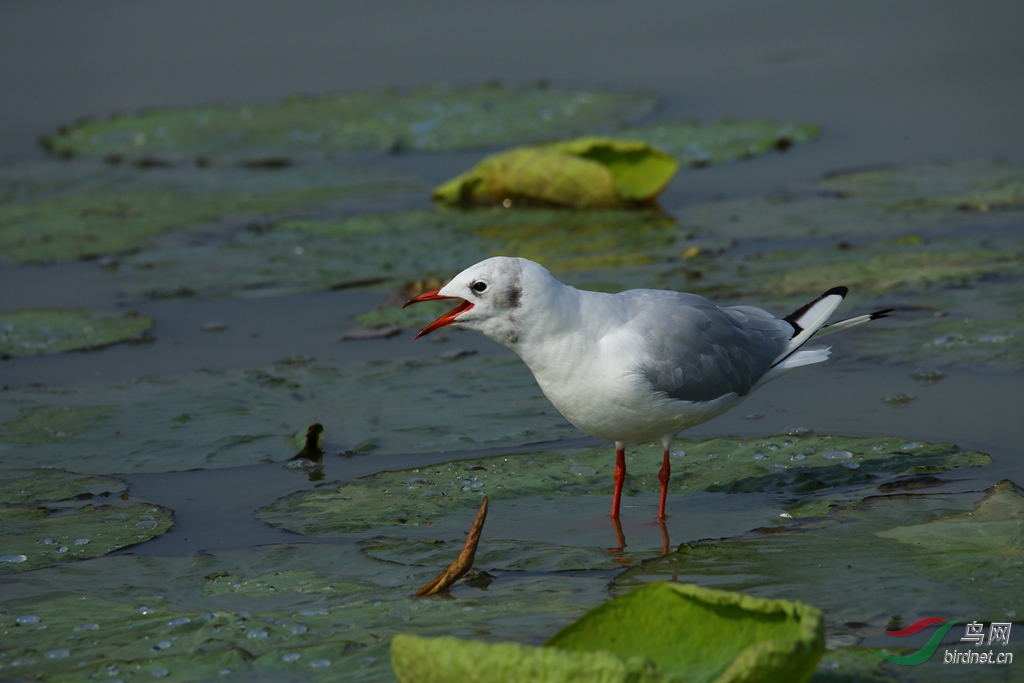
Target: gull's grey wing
698 351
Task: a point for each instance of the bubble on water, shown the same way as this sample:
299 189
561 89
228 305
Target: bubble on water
679 453
28 619
58 654
1010 613
162 645
13 559
291 657
760 456
320 663
799 456
366 661
146 610
851 465
582 471
773 447
146 524
319 612
799 430
48 541
62 549
259 635
431 494
910 446
299 628
159 673
837 455
82 541
226 671
787 443
87 627
180 621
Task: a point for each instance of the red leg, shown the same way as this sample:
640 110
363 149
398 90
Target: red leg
664 537
663 476
620 538
620 476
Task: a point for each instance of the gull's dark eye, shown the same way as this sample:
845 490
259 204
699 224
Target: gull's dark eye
478 286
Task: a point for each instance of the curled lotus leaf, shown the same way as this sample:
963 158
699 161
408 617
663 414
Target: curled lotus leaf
424 120
663 632
34 332
586 173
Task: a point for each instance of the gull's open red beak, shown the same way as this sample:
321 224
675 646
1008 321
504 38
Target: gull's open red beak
446 319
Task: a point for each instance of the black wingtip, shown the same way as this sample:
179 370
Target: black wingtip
884 313
840 291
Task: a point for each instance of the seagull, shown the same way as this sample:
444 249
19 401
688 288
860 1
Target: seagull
639 365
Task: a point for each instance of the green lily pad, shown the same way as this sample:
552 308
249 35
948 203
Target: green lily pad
585 173
502 554
130 616
430 119
660 632
32 332
879 551
110 210
704 634
265 585
792 466
306 254
51 516
221 419
886 202
433 660
699 144
982 325
988 539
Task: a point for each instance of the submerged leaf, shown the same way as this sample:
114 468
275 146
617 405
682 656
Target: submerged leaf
587 173
32 332
429 119
794 466
99 211
700 144
51 516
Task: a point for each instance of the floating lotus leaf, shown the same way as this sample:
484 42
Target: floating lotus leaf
111 210
978 187
130 616
42 425
303 254
885 202
221 419
699 144
51 516
989 539
504 554
981 325
884 551
660 632
426 120
791 466
29 333
586 173
271 583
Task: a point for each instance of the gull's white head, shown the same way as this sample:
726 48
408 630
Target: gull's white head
494 295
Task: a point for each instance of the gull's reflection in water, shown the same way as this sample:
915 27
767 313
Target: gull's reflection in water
620 537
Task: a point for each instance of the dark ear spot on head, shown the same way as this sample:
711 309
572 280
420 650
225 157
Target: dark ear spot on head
513 297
